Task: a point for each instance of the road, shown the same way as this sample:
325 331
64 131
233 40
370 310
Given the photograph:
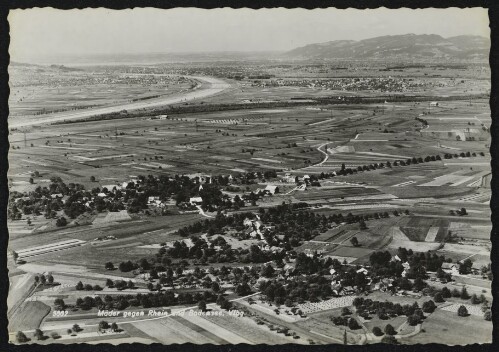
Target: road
209 86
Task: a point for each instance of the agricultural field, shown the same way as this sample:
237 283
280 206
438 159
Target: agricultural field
272 187
451 332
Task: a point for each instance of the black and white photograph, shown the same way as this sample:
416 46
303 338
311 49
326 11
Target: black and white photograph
238 176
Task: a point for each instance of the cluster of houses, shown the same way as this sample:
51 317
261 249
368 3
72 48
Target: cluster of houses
384 84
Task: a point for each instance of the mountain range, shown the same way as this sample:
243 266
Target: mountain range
408 46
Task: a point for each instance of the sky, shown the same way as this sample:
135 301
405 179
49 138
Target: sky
48 32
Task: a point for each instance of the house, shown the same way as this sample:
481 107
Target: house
288 178
102 195
476 268
56 195
383 285
257 224
332 271
347 290
363 271
152 200
433 103
125 184
336 285
272 189
254 234
301 187
196 200
451 268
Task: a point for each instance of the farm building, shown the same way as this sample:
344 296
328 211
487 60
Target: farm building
272 189
152 200
451 268
363 271
196 200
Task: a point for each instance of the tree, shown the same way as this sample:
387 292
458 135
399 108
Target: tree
76 328
464 293
390 330
446 292
50 279
109 266
462 311
439 297
43 279
31 181
419 284
354 241
21 337
103 325
55 335
39 334
353 324
92 178
345 311
69 331
429 306
487 315
202 305
377 331
223 302
362 224
267 271
109 283
150 286
79 286
243 289
114 327
465 267
475 299
61 222
59 304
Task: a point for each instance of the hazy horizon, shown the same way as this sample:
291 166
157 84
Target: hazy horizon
38 35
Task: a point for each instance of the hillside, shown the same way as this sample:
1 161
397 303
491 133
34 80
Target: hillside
397 47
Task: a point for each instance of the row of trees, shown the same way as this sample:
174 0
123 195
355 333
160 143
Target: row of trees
150 300
374 166
298 289
40 335
44 279
87 287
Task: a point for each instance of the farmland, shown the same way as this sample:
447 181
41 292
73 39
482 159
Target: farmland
189 188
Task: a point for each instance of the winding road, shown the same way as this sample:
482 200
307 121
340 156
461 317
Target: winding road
209 86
